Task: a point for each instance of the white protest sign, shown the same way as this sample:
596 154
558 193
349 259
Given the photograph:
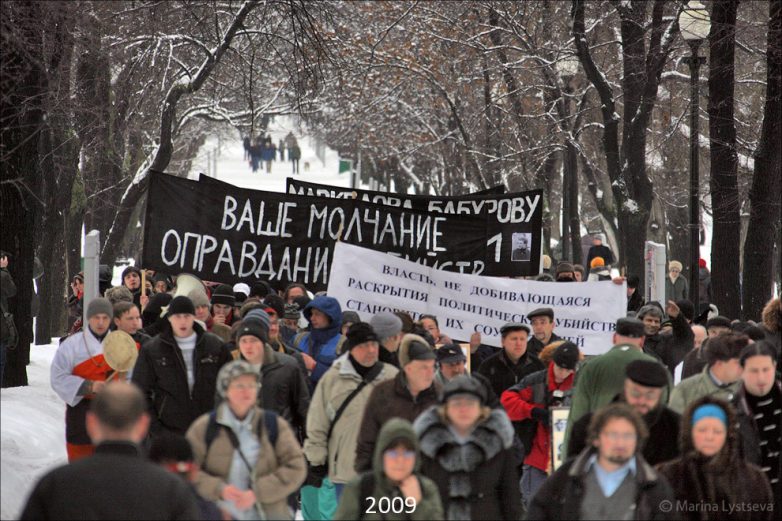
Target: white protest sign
368 282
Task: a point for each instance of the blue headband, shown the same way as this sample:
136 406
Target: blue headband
709 410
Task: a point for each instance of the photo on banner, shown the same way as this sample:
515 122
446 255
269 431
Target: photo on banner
369 282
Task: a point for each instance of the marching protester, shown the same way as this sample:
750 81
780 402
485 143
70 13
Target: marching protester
395 473
634 299
116 482
758 403
119 294
710 478
388 328
598 249
7 290
249 457
670 348
284 390
598 270
609 479
676 286
348 319
131 279
294 290
78 374
772 324
432 326
720 378
128 319
602 378
334 420
644 388
530 399
467 450
223 302
451 362
542 322
695 360
513 362
75 303
717 325
177 369
321 345
408 394
704 285
580 272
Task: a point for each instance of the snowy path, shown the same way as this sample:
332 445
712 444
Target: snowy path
32 432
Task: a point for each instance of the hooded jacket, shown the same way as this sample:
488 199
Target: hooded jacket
561 495
536 391
723 479
277 473
339 450
321 344
478 479
161 374
352 506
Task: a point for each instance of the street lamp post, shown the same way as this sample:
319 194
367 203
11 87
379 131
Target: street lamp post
694 25
567 68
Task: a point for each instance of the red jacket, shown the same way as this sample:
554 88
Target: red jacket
519 403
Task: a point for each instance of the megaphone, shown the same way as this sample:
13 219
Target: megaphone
185 283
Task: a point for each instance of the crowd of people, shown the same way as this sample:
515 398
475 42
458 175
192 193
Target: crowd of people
263 151
259 403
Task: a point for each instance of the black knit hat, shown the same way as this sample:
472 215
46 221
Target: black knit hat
718 321
223 294
647 373
276 303
181 305
251 327
566 355
359 333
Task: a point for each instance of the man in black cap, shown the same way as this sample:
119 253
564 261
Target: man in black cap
412 391
602 378
542 322
527 403
644 386
177 370
718 325
223 302
509 366
131 279
451 362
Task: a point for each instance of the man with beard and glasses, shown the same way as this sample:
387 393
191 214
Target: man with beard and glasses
644 386
609 479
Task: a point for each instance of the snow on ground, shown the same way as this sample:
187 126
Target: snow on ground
32 432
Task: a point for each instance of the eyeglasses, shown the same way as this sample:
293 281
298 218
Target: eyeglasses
617 436
245 387
400 453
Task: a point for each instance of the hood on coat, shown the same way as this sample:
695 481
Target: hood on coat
393 430
772 315
328 305
729 455
404 347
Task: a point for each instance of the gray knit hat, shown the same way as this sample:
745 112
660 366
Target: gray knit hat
199 298
231 371
386 324
99 305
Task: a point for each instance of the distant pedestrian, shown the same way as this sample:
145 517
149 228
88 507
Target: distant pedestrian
676 286
281 149
7 290
267 154
246 145
704 285
294 153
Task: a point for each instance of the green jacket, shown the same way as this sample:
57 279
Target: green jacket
430 506
601 379
694 387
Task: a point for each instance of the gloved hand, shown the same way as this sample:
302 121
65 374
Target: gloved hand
541 415
316 474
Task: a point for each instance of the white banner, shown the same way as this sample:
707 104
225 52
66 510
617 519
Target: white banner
368 282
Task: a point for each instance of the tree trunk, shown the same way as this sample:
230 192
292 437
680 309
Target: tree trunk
724 161
765 196
23 88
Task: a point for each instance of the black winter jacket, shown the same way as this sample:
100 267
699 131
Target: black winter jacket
161 374
662 444
672 347
115 483
561 495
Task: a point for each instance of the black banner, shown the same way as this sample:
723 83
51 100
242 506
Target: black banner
297 187
224 233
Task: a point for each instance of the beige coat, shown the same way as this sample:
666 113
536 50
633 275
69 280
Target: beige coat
279 471
339 451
